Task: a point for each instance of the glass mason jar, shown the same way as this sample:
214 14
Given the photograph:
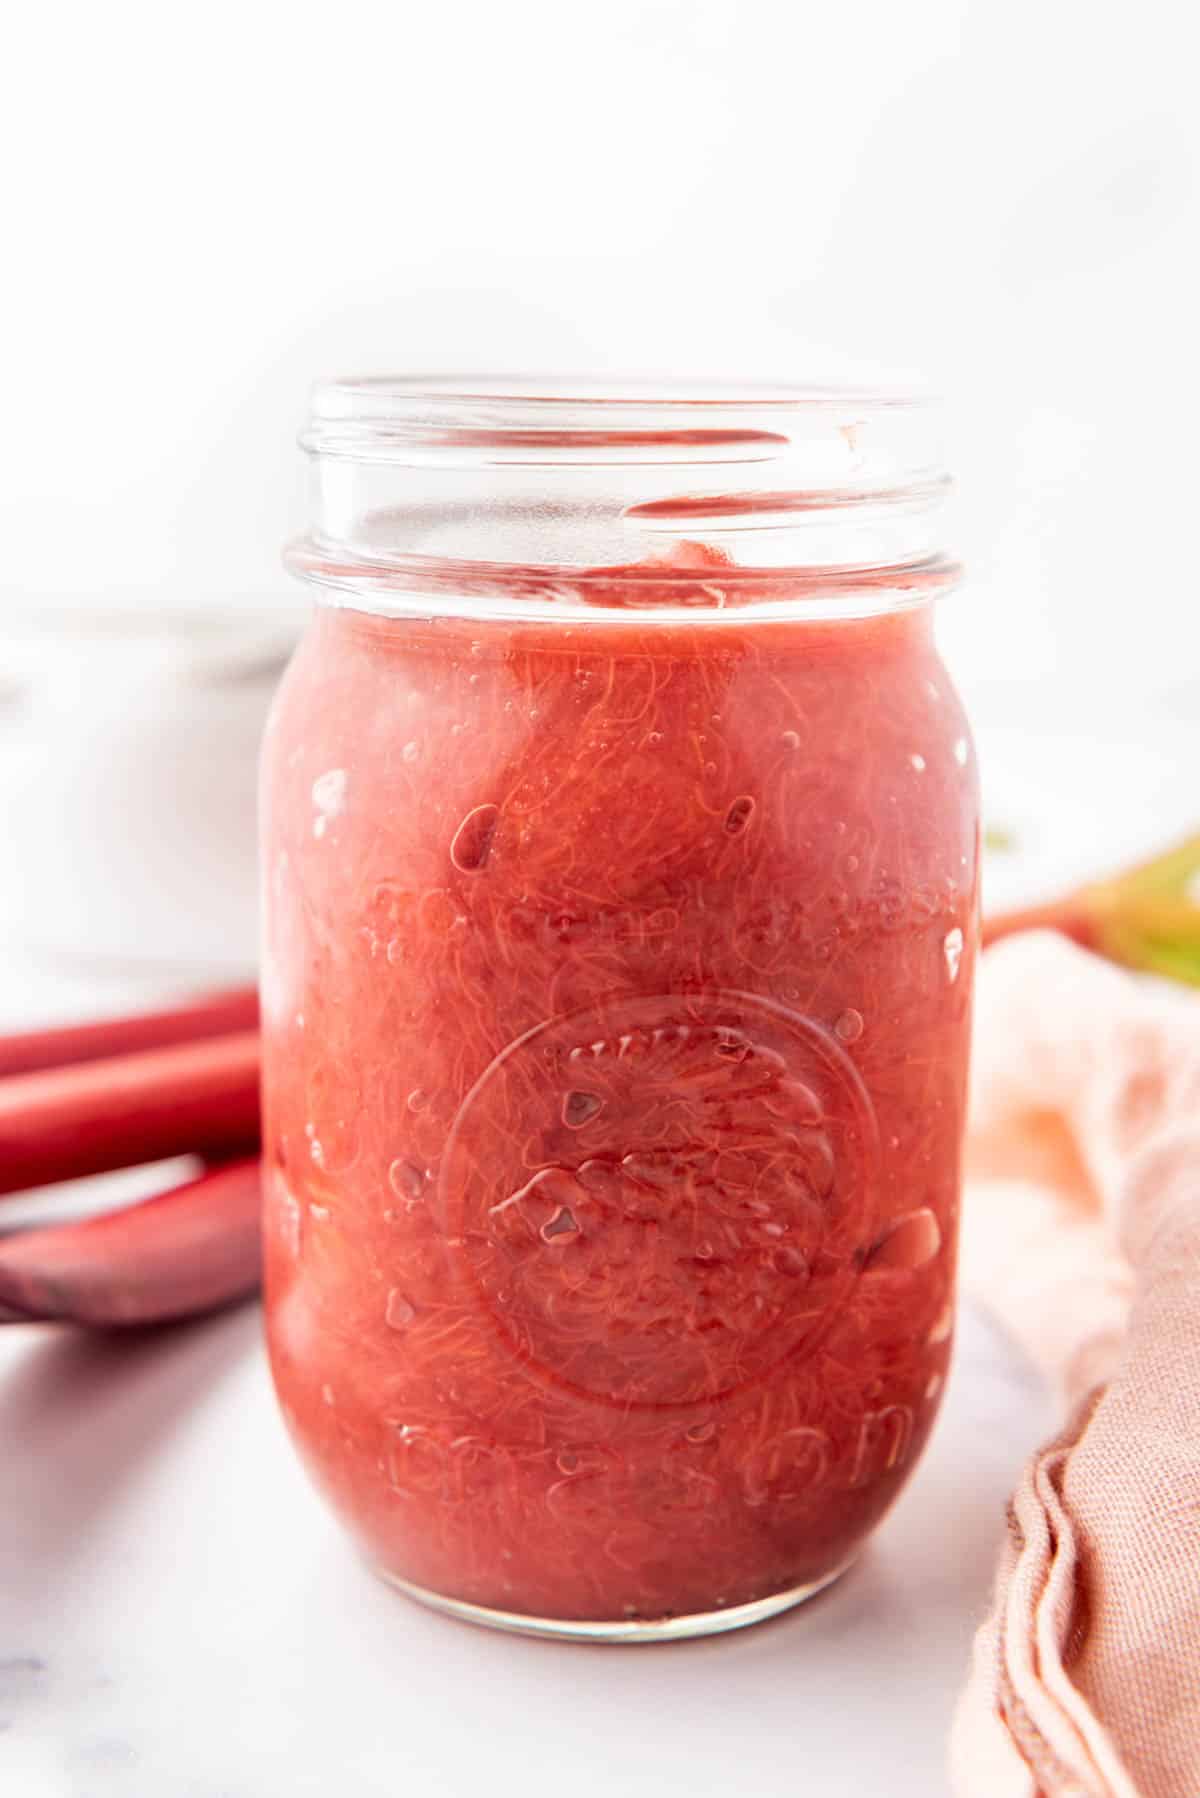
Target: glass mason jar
620 851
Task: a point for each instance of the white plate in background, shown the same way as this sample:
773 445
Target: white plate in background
128 772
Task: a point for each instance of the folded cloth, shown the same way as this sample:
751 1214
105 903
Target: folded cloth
1082 1236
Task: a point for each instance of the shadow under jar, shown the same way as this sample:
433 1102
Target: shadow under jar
620 849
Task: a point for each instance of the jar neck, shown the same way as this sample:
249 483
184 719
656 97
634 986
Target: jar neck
494 495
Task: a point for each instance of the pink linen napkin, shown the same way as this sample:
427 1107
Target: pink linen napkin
1082 1236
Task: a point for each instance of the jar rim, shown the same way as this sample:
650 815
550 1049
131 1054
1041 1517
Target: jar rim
385 415
596 488
332 396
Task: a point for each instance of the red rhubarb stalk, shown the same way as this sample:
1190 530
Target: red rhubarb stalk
199 1098
216 1014
186 1250
1146 917
1062 915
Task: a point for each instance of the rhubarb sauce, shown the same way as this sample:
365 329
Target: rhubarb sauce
616 1001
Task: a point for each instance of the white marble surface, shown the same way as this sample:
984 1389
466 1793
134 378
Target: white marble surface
179 1619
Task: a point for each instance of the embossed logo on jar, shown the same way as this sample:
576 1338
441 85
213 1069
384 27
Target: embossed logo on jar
661 1199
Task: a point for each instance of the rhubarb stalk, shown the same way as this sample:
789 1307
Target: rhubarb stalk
1146 917
216 1014
193 1098
186 1250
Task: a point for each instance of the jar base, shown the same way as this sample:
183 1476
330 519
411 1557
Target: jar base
636 1629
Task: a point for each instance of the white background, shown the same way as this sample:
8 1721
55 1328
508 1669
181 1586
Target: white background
206 206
